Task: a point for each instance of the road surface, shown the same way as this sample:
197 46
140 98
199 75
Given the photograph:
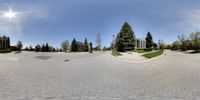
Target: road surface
98 76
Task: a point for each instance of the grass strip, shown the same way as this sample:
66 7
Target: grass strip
115 53
154 54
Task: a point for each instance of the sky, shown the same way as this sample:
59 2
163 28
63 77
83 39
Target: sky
53 21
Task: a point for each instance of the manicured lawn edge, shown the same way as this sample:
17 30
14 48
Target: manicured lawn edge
154 54
115 53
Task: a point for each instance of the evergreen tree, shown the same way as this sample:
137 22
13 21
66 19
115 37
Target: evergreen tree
37 48
149 41
86 45
54 49
43 48
47 47
74 46
125 40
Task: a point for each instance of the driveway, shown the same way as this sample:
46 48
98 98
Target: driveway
98 76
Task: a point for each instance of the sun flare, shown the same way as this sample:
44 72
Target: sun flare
10 14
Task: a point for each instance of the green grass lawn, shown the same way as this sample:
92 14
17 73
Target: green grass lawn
142 50
154 54
115 53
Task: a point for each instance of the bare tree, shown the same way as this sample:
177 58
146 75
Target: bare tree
98 41
182 38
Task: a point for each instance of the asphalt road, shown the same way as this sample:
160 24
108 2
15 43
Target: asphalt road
98 76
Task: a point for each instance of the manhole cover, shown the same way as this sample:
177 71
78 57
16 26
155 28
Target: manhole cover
43 57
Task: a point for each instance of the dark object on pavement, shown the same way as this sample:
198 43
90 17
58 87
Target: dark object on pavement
43 57
66 60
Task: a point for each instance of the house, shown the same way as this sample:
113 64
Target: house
140 44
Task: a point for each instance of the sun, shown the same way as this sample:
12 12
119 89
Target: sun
10 14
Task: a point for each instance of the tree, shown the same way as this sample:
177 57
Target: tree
65 45
37 48
30 48
182 38
74 46
195 41
176 45
51 49
98 41
19 45
168 46
47 47
43 48
149 41
26 49
85 45
125 40
54 50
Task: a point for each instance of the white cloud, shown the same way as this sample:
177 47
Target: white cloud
192 19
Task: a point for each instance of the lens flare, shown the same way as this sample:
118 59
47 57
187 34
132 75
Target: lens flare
10 14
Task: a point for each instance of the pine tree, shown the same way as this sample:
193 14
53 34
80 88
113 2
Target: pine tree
149 41
86 45
43 48
125 40
74 46
47 47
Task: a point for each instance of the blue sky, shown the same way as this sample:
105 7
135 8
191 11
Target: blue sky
53 21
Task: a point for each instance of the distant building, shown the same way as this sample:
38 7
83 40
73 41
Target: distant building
4 42
140 43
